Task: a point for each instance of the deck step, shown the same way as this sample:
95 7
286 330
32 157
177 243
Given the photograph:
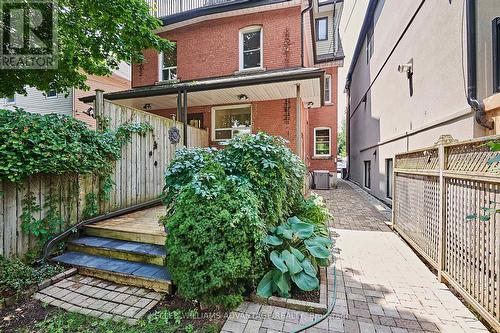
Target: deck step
120 249
120 271
126 235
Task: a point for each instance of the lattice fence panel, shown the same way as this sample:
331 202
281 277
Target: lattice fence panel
417 211
419 160
472 249
471 157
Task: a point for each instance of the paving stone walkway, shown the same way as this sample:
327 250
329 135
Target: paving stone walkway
382 286
99 298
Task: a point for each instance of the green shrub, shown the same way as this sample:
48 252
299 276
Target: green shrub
215 238
182 170
33 143
17 276
275 172
297 253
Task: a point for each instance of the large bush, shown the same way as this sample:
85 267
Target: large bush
215 238
275 172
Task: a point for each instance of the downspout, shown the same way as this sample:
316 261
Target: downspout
472 99
302 31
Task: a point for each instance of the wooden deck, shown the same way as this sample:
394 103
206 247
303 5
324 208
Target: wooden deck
140 226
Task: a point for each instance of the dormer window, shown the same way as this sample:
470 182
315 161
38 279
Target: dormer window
168 65
322 29
251 48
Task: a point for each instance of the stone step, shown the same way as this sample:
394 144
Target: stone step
141 236
119 249
119 271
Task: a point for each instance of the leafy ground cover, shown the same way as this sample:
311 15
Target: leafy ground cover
173 314
17 276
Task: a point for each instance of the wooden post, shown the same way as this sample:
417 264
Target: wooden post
443 139
298 136
393 192
99 107
185 117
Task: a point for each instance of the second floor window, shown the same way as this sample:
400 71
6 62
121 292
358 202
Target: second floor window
328 88
251 48
322 29
51 94
168 65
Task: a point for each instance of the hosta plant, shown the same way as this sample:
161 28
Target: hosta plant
297 252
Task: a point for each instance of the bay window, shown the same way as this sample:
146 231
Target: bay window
322 142
231 121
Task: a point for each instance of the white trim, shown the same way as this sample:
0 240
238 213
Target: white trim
225 107
329 141
329 100
243 31
161 69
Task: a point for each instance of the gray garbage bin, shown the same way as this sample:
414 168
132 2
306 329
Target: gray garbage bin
321 179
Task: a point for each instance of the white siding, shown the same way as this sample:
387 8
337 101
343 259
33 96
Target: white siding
36 102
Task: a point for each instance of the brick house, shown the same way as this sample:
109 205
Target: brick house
247 66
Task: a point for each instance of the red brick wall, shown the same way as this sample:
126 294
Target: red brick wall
325 116
267 116
211 48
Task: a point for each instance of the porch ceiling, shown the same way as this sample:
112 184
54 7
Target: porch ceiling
257 87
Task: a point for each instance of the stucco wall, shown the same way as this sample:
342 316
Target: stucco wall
388 112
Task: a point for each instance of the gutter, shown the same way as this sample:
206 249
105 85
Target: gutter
476 105
308 8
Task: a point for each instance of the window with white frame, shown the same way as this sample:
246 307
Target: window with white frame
251 48
51 94
168 65
328 88
231 121
10 100
322 29
322 141
368 174
388 177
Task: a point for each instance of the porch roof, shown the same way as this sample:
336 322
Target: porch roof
257 86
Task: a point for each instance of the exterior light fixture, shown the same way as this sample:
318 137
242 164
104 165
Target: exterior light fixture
147 106
310 105
243 97
408 69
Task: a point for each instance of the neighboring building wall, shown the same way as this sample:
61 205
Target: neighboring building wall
384 119
211 48
36 102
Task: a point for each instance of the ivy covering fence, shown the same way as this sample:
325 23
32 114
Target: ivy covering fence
55 172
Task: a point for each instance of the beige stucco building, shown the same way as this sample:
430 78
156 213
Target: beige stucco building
411 79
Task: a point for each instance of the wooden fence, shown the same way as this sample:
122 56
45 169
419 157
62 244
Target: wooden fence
445 205
138 178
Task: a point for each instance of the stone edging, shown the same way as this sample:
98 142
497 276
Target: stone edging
293 304
33 289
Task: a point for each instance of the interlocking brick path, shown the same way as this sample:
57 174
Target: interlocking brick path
99 298
382 286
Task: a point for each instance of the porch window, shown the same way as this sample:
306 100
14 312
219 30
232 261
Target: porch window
230 121
322 141
328 88
168 65
322 29
251 48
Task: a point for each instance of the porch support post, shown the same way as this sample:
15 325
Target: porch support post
179 106
185 117
298 116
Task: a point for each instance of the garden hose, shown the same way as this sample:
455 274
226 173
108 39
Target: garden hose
330 308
